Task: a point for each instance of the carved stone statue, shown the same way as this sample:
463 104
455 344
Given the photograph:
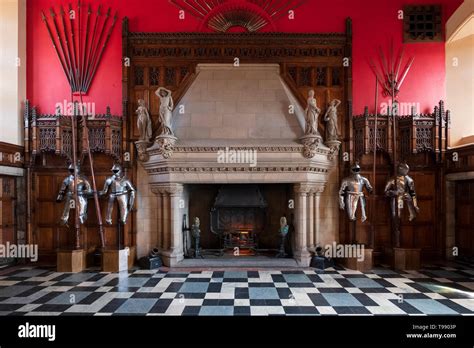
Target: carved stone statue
283 231
143 121
352 192
166 109
67 190
196 232
331 118
122 190
312 114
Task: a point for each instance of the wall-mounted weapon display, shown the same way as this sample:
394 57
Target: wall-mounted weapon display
390 77
79 49
78 46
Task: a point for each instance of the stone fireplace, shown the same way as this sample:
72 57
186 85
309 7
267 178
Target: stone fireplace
238 217
229 113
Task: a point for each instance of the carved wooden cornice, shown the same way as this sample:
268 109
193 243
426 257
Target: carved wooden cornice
247 38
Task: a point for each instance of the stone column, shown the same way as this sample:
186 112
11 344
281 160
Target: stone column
172 238
300 250
311 220
159 207
318 189
176 221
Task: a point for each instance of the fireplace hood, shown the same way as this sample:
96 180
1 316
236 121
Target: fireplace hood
239 196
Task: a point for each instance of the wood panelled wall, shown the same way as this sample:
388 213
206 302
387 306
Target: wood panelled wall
12 196
48 152
460 163
464 218
47 232
424 232
421 142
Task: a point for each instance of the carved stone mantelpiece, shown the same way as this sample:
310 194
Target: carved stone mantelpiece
307 220
256 126
165 145
170 189
334 146
142 147
169 221
311 144
200 165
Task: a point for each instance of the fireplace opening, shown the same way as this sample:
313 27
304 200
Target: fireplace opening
239 220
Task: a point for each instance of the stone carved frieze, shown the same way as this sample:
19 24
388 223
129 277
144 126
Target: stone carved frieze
170 189
309 188
298 169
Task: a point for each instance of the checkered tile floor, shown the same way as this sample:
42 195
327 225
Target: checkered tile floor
434 290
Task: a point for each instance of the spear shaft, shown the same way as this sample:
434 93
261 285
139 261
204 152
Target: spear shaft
93 44
96 64
95 49
374 165
80 44
68 49
86 41
407 69
74 42
94 185
63 51
54 45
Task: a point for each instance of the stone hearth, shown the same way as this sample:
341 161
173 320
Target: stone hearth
244 109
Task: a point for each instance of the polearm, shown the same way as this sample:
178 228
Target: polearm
92 45
80 43
74 145
374 186
54 45
73 41
68 48
399 63
61 46
380 77
96 64
94 186
99 39
407 69
86 42
76 191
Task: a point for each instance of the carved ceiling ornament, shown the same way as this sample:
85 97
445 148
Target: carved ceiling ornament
252 15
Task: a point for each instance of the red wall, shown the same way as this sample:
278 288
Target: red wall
375 23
